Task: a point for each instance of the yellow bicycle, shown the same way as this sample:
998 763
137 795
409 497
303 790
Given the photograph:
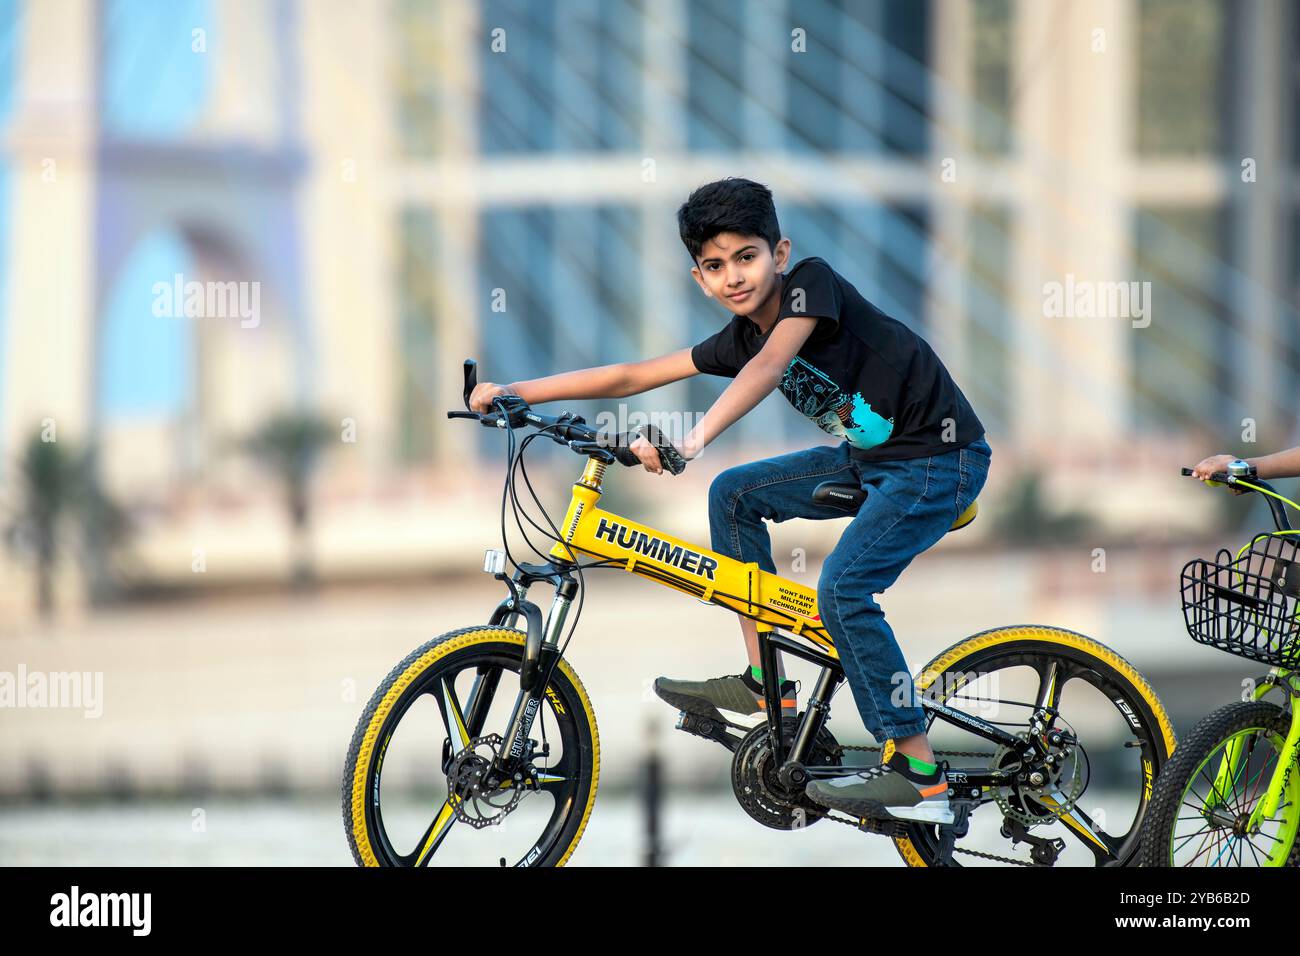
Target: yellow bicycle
481 746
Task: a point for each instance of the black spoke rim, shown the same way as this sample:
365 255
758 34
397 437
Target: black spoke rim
1117 847
488 674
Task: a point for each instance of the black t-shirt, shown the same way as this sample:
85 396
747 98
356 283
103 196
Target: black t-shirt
861 375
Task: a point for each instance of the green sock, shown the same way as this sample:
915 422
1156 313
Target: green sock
920 766
756 673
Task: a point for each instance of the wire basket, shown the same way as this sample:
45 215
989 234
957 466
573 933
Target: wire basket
1248 605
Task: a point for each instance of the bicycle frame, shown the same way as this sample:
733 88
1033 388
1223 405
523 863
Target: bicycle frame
1230 764
714 578
769 599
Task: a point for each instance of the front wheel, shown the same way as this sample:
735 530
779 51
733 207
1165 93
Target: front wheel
1203 800
415 788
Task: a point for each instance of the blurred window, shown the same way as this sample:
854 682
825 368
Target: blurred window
418 363
862 83
992 38
1181 361
1182 76
990 333
145 360
559 77
560 289
155 83
715 79
421 89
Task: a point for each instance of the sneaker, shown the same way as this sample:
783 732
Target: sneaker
891 791
736 700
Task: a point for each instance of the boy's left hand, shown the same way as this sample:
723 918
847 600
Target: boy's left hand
648 454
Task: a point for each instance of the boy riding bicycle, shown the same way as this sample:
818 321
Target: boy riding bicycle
911 442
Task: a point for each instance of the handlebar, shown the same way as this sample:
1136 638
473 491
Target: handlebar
1245 484
567 429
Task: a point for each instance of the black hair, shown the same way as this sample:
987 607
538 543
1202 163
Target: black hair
728 205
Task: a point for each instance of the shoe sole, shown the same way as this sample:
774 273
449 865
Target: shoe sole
921 813
702 708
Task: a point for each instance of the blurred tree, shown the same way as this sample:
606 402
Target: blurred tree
289 445
57 482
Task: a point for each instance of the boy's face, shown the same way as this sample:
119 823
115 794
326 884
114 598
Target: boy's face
740 271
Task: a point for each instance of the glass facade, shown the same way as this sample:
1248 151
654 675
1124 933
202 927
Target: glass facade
992 38
154 82
559 77
560 288
777 85
1182 76
990 332
1182 361
418 363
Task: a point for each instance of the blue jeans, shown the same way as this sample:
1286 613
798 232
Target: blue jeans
910 505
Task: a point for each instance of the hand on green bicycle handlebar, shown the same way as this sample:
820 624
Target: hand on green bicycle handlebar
1215 465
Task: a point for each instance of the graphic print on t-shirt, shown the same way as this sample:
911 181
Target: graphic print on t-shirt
813 393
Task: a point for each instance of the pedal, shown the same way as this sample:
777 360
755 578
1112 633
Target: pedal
889 828
950 833
708 728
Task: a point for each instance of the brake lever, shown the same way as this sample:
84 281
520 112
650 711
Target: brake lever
471 379
594 449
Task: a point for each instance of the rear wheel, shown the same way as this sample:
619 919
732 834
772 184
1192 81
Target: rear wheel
416 784
1124 738
1204 798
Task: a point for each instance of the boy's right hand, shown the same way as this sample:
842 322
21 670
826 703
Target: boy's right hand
480 400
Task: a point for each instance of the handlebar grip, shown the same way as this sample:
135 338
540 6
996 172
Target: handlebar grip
625 456
471 379
669 456
1218 478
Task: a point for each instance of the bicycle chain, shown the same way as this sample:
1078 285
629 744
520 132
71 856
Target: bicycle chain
937 753
956 849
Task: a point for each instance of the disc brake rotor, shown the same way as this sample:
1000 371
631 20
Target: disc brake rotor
1037 803
473 800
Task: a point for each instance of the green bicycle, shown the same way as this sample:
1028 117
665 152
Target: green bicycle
1231 794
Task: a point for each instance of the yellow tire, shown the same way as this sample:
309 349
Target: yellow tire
1080 656
436 669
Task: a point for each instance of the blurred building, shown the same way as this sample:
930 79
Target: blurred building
401 184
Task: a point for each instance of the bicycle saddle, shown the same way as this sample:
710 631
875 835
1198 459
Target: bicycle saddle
849 498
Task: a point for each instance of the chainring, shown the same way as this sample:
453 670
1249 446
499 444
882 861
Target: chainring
756 782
